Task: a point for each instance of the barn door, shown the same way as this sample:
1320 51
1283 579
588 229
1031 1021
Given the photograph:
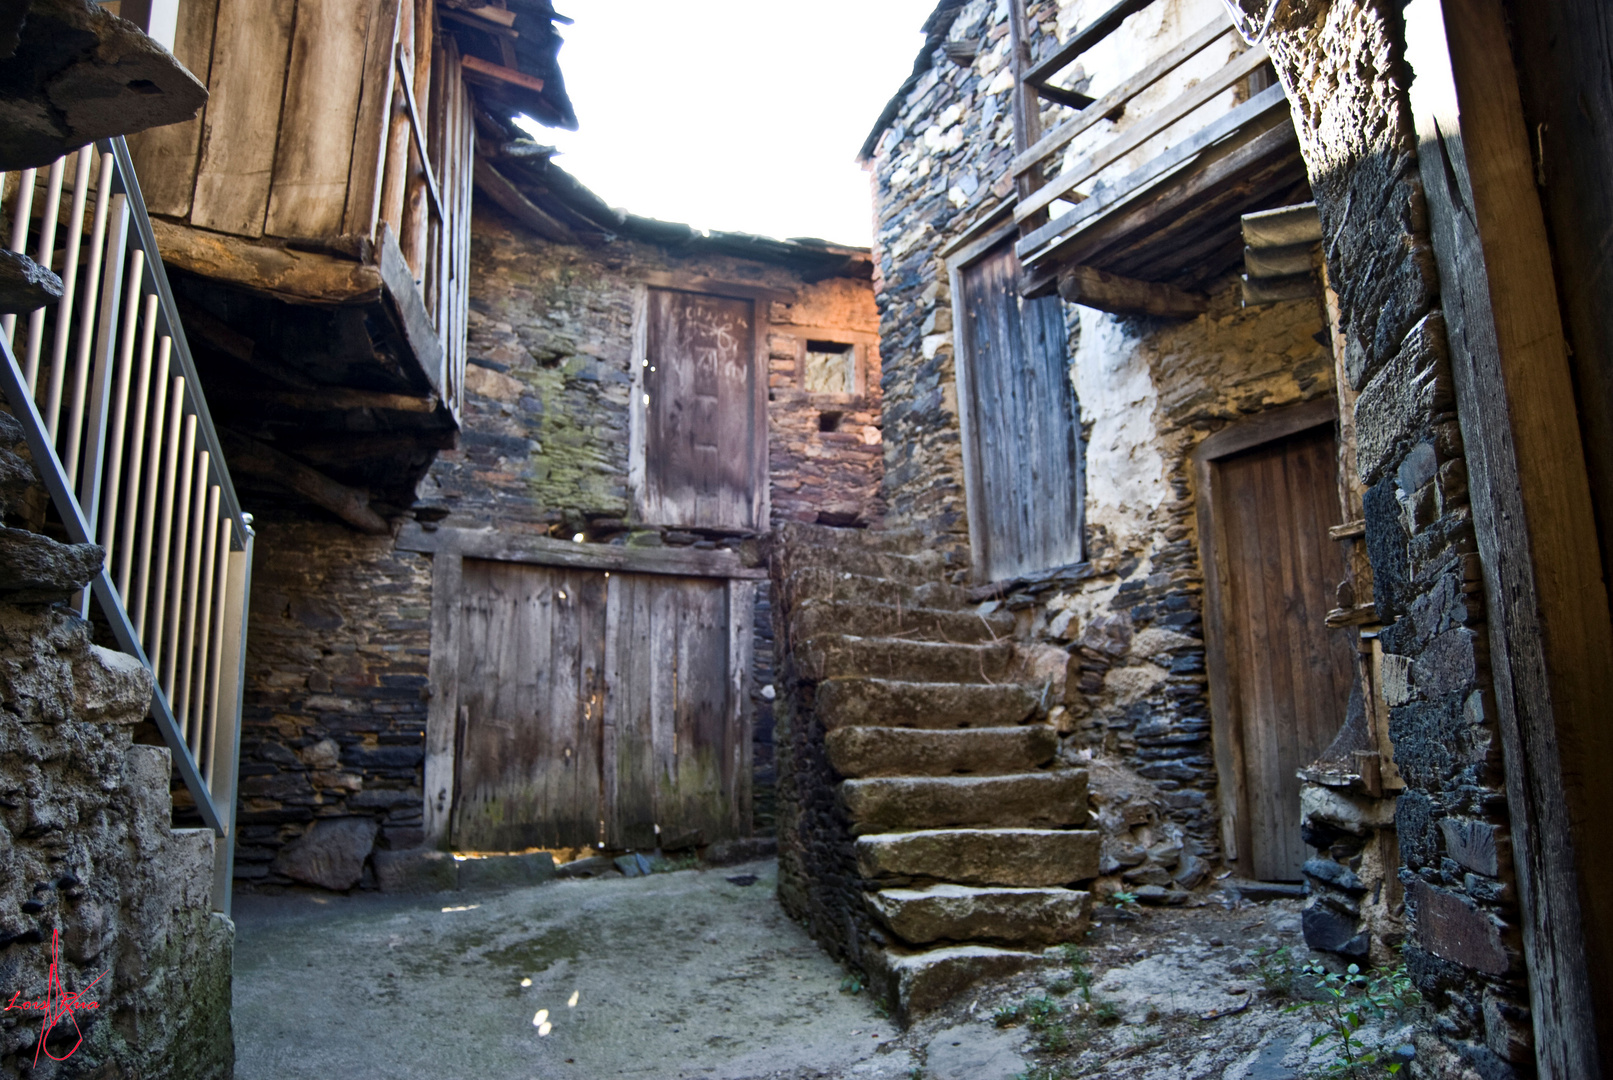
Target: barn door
1022 442
700 417
595 706
1288 674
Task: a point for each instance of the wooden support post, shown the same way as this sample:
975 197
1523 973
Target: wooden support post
1551 642
1027 109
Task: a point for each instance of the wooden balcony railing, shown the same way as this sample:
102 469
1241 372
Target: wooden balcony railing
1086 223
104 386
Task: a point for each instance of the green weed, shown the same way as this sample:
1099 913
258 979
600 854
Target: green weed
1276 970
1345 1002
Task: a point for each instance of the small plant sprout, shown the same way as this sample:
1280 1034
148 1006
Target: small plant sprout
1346 1001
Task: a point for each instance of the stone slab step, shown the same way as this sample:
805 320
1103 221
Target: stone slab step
828 655
1039 800
915 568
1021 857
959 913
813 617
858 702
804 536
818 582
894 751
920 981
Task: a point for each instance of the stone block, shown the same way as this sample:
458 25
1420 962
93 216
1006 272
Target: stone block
1019 857
36 569
1335 875
891 702
1332 931
417 871
1353 814
922 982
1447 665
948 912
1386 541
331 854
1452 928
887 658
506 871
1477 845
1507 1029
889 751
1039 800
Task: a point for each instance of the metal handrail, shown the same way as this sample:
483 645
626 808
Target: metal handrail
134 463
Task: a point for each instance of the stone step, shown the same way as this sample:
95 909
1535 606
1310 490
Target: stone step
1027 858
822 583
920 981
829 655
894 751
1038 800
813 617
1006 916
795 535
859 702
915 569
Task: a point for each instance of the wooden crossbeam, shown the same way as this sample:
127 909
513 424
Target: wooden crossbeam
351 504
1094 288
478 70
1084 39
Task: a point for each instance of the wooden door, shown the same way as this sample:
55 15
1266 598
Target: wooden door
595 707
705 433
1022 439
1289 675
531 689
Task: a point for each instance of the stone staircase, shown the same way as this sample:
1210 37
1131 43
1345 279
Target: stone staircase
927 834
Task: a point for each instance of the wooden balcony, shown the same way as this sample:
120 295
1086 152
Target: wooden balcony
1135 211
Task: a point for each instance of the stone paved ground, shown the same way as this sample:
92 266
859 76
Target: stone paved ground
685 975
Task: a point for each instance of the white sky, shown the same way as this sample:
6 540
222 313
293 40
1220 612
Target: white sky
739 115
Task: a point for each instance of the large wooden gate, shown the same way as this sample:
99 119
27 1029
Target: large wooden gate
1280 679
1022 445
586 695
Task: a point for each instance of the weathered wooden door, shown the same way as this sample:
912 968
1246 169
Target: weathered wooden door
596 706
1289 675
1022 438
704 441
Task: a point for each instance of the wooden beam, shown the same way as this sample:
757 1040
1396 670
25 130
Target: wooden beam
421 336
1099 289
1546 604
278 271
510 546
1117 98
476 20
340 399
496 186
1286 226
489 74
256 459
1084 38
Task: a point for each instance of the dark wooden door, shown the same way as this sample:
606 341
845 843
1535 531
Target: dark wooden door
1290 675
1026 476
704 421
595 707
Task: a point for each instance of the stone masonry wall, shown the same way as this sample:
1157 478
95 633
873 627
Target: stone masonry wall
1121 636
1341 63
89 861
339 634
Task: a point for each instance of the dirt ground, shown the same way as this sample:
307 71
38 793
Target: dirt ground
699 973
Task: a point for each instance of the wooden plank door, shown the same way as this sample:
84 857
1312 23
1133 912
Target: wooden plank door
1289 675
677 737
1022 439
595 707
531 690
704 433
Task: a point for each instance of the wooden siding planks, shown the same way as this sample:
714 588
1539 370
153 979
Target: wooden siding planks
323 88
367 158
165 158
242 123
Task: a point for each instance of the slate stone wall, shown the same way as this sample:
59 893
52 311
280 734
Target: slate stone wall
1341 63
89 860
339 634
1121 637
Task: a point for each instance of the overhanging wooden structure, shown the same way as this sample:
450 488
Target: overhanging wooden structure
1144 239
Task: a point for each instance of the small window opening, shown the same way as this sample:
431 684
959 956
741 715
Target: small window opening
831 368
830 421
